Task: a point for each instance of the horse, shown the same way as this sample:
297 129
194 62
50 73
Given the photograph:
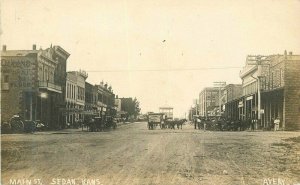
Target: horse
171 124
179 123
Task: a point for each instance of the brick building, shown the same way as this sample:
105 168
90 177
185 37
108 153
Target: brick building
277 78
32 84
209 101
75 96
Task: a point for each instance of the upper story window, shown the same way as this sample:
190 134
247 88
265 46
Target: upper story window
281 77
6 78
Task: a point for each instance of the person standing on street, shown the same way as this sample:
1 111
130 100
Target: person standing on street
252 124
272 126
199 123
276 124
195 122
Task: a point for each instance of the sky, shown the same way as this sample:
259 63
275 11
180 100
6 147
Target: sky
161 52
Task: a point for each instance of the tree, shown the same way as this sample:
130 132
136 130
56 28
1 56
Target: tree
131 106
137 108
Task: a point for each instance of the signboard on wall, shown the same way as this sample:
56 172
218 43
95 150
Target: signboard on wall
241 104
19 71
249 98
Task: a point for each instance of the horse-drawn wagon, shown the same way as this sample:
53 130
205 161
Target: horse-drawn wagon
155 119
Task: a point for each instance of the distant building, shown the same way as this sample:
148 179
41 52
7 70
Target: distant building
118 104
91 99
279 85
209 101
105 100
230 97
75 96
168 111
33 84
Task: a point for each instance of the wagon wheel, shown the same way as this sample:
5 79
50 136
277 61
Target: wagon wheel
17 126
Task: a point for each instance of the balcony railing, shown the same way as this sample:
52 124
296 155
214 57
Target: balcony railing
50 86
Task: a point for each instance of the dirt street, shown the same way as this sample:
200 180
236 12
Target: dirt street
132 154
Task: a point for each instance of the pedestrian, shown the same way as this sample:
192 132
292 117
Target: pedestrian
272 126
195 122
252 124
276 124
198 123
248 123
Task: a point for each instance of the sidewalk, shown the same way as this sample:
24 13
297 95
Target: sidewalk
74 130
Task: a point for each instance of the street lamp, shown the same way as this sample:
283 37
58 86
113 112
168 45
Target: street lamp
43 95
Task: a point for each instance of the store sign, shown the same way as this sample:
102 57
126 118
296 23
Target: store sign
249 98
20 72
241 104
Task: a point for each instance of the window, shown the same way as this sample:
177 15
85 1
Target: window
78 93
46 76
272 80
280 77
6 78
74 93
66 92
69 90
40 73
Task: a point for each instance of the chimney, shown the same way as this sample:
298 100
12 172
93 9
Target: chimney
33 47
105 85
290 53
4 48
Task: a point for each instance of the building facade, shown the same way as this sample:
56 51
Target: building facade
32 84
105 100
118 104
168 111
75 96
230 97
271 89
209 101
91 95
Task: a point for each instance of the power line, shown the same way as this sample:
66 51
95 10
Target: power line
158 70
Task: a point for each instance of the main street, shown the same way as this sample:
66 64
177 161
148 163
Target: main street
132 154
